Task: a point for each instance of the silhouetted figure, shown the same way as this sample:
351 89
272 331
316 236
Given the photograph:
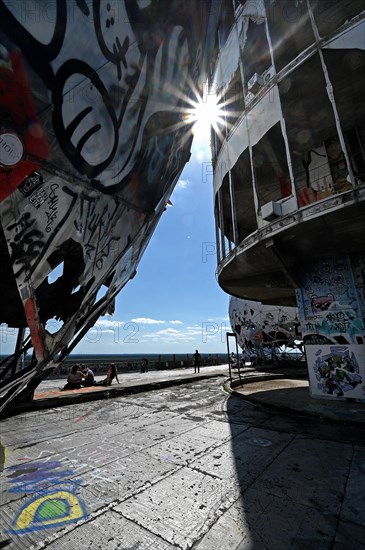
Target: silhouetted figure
196 358
144 364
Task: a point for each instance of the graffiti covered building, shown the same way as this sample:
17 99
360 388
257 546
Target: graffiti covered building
289 173
92 141
271 331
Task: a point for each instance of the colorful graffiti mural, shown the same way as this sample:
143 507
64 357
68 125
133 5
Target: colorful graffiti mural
93 137
329 304
260 326
335 370
331 309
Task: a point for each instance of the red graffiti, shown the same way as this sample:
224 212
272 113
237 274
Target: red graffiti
22 139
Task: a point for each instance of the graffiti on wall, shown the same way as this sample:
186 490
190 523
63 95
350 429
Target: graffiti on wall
94 95
110 90
336 370
329 306
276 324
331 310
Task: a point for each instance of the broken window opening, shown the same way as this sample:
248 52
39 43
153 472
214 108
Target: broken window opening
244 196
226 23
234 100
346 71
310 123
329 15
290 31
52 326
256 52
271 167
57 298
56 273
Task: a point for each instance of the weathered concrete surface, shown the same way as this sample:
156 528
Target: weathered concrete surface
183 467
293 395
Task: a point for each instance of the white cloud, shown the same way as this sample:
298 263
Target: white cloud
176 322
168 331
147 321
108 323
182 184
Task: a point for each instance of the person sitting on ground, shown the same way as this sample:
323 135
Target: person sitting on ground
74 379
110 375
88 379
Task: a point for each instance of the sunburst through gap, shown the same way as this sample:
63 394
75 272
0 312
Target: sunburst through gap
206 113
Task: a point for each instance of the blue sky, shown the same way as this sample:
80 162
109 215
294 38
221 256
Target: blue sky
174 304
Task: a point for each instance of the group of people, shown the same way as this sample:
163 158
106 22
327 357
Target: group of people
249 357
84 377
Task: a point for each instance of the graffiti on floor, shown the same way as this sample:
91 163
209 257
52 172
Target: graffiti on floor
2 458
53 496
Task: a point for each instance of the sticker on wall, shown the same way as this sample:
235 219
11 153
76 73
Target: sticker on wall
336 371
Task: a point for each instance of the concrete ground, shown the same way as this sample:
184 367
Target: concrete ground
186 466
283 388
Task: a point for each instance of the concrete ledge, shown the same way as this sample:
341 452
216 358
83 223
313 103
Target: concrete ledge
73 397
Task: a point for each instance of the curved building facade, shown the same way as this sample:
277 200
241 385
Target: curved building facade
289 173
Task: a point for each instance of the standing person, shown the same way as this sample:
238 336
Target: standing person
88 379
74 378
196 358
144 364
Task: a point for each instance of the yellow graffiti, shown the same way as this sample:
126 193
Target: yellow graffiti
2 457
50 509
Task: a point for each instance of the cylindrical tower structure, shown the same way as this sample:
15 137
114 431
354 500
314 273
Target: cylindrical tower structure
289 173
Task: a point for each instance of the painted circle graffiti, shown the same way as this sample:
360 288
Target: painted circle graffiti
11 148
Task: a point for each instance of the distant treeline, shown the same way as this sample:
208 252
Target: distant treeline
133 362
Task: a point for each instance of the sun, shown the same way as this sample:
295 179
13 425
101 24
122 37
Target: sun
205 114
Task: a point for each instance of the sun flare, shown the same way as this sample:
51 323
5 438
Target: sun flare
206 113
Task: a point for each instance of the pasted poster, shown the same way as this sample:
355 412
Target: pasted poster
331 311
329 306
336 371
